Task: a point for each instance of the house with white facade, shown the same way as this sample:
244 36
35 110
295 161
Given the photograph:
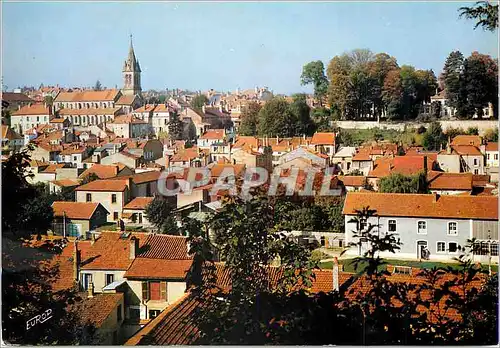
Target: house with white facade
30 116
440 224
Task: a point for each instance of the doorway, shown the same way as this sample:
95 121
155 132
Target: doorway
421 245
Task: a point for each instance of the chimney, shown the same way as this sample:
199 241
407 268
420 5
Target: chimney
92 238
335 272
134 247
76 261
435 197
91 290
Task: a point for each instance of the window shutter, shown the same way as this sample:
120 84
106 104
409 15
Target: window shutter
163 290
145 291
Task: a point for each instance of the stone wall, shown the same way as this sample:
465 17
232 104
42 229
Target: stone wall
482 125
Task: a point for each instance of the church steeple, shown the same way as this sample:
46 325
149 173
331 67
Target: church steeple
131 73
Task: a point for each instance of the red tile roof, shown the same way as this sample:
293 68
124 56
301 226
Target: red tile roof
141 178
125 100
90 96
51 168
492 146
145 108
352 180
15 97
107 185
213 134
323 139
127 119
98 308
406 165
75 210
217 169
138 203
449 181
102 171
143 268
474 140
66 182
466 150
423 205
163 246
35 109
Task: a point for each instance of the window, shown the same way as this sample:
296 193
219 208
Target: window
476 162
495 156
110 278
74 158
323 241
119 312
153 313
362 225
402 270
452 228
113 198
476 171
452 247
89 197
87 279
483 248
134 313
115 215
441 247
392 225
488 156
422 227
154 291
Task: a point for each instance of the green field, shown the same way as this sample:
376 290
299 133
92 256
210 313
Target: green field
349 267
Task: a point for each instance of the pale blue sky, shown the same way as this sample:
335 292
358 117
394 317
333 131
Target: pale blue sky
222 45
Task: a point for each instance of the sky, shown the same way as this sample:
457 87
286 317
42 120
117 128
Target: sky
223 46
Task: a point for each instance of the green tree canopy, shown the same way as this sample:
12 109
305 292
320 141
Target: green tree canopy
314 73
249 119
399 183
98 86
198 101
434 138
175 127
485 14
160 213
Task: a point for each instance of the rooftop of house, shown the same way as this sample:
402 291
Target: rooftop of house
75 210
145 108
406 165
138 203
492 146
99 307
12 97
8 133
33 109
140 178
103 171
423 205
449 181
352 180
126 100
87 96
106 185
213 134
474 140
66 182
323 138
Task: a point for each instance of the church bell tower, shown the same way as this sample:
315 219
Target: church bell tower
131 73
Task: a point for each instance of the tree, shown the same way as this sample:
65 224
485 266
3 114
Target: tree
314 72
399 183
392 93
485 14
276 119
451 78
479 84
175 127
433 138
322 117
98 86
89 178
48 99
302 115
491 135
249 119
160 213
199 101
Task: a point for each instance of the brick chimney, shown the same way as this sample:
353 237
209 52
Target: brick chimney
335 271
91 290
134 247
